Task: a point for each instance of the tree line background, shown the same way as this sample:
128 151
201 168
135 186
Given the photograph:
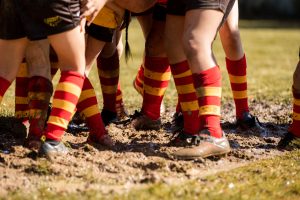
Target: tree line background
269 9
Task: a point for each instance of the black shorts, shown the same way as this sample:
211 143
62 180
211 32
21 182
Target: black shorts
40 18
180 7
158 11
11 26
100 33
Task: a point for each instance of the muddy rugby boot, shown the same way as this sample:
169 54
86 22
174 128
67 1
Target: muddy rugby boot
143 122
289 142
250 123
206 146
32 142
103 140
184 139
52 148
176 123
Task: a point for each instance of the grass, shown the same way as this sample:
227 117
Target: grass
277 179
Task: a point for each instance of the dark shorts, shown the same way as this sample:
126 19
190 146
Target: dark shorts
100 33
158 11
11 26
180 7
39 18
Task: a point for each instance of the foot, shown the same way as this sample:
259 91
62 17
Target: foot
205 146
52 148
289 142
33 142
108 117
105 140
183 139
251 123
143 122
177 123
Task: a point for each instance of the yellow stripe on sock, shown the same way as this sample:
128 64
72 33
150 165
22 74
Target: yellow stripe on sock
184 74
61 122
63 104
119 97
240 94
185 89
189 106
68 87
109 73
297 102
210 110
157 75
35 113
85 94
296 116
237 79
39 95
91 111
209 91
154 91
21 114
109 89
23 72
21 100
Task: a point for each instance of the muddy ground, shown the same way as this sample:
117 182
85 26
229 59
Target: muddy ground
140 157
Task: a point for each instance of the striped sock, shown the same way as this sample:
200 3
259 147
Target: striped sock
4 86
88 106
156 79
208 89
40 91
187 96
139 80
119 102
295 126
108 69
21 93
65 99
238 79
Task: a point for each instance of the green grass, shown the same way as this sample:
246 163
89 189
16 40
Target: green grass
277 179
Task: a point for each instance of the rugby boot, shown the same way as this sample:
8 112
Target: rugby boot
52 148
183 139
177 123
145 123
251 123
108 117
104 140
289 142
205 146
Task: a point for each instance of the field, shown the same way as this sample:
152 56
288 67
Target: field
139 167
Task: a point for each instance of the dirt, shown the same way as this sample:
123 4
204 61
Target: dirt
139 157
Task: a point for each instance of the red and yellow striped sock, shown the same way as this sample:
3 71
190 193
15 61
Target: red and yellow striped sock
187 97
237 71
88 107
295 126
40 90
21 93
109 69
156 79
139 81
65 99
208 89
119 102
4 86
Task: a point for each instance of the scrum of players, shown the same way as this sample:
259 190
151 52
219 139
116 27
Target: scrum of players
38 38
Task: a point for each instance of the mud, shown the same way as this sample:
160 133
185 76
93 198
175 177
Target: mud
139 157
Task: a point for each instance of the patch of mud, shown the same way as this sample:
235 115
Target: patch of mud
139 157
